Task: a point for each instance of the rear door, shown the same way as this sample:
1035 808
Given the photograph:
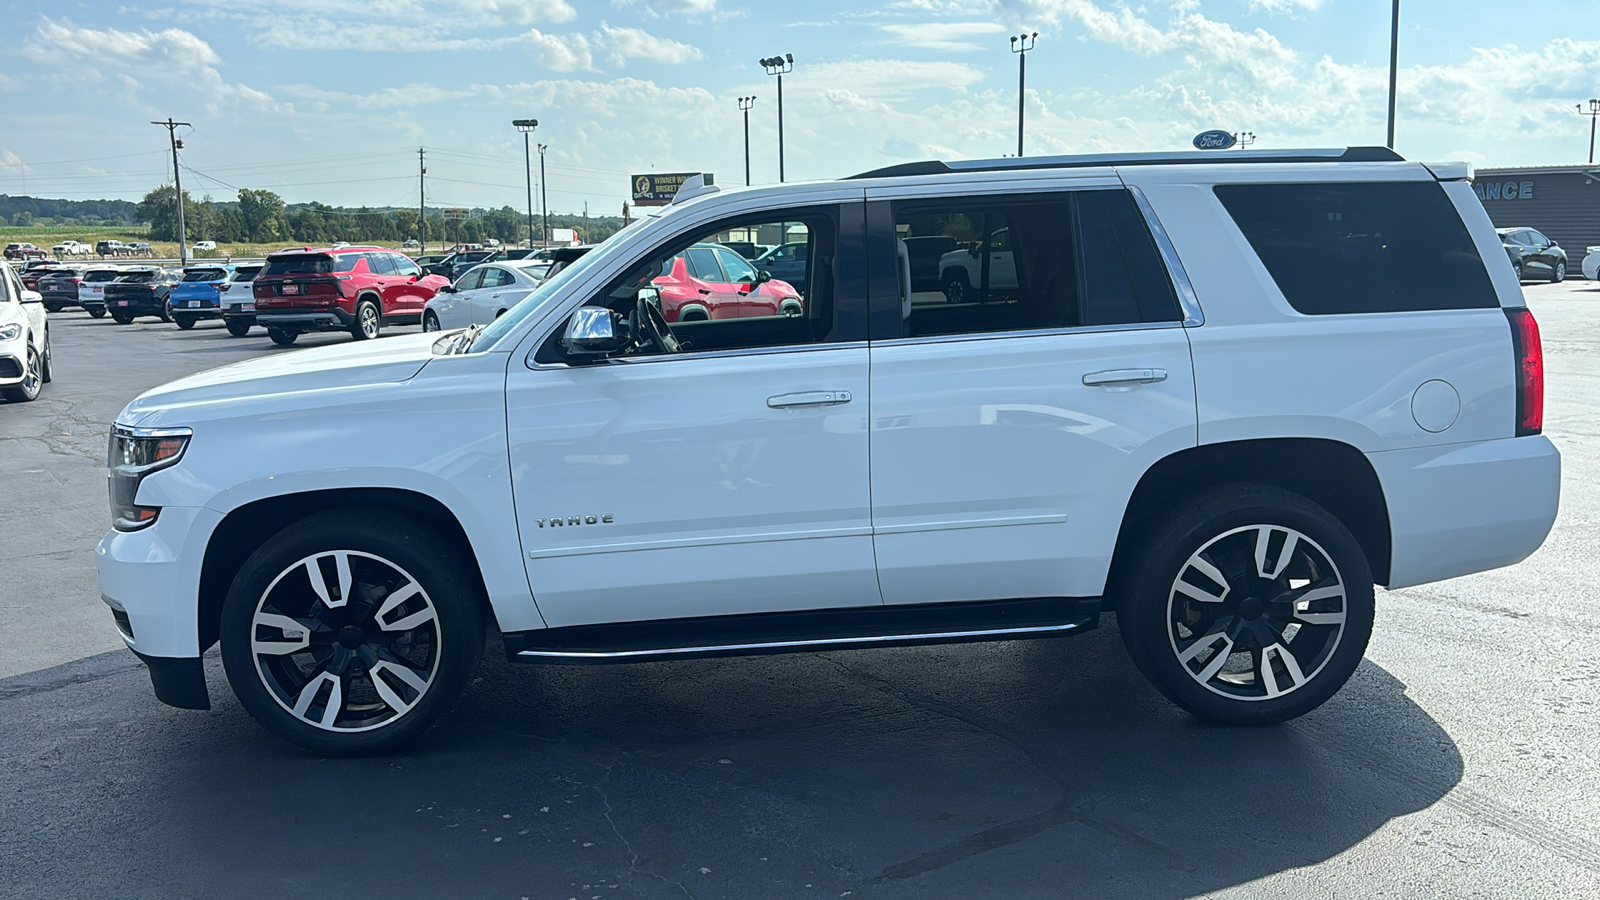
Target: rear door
1008 431
711 283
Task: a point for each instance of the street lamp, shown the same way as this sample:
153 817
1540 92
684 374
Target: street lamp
526 126
1020 45
1593 112
1244 139
779 66
744 105
544 197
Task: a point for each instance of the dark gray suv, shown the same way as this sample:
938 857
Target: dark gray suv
1533 255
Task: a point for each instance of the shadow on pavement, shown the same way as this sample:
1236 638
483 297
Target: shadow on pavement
1042 768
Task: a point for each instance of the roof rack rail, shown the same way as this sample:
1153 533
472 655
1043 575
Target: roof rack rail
1178 158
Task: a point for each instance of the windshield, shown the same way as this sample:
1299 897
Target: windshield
205 275
514 316
137 277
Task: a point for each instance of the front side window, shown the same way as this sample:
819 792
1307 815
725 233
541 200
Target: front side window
1007 263
404 266
470 281
1362 247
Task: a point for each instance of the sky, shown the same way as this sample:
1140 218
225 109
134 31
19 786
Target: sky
330 99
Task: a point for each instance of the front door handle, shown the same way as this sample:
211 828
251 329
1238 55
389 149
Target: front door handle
809 398
1116 377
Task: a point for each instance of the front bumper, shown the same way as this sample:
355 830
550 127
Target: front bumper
13 363
1463 508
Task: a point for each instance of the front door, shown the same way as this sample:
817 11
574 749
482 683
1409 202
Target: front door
724 479
1009 432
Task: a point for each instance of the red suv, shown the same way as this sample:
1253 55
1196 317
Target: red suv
710 281
354 289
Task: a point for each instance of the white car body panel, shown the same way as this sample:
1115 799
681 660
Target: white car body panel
94 292
1591 264
25 310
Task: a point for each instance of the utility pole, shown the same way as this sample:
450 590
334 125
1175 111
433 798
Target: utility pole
585 221
422 203
544 195
779 66
744 104
1394 66
1020 45
1593 112
177 185
526 126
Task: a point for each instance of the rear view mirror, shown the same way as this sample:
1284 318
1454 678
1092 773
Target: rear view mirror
591 332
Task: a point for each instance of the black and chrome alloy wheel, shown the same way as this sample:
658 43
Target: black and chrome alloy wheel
345 640
1256 612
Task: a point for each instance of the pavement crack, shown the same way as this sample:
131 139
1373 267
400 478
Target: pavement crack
633 855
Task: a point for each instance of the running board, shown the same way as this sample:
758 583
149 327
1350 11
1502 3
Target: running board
806 631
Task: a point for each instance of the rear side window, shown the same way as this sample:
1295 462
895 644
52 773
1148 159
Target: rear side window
1362 247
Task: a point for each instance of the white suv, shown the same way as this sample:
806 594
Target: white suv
1221 396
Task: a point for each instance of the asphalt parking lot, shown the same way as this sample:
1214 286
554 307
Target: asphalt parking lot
1461 761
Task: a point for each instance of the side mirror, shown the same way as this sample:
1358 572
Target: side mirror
763 276
448 289
32 297
591 332
1554 244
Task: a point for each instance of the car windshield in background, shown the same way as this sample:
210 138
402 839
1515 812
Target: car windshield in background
205 275
246 273
309 264
137 277
102 275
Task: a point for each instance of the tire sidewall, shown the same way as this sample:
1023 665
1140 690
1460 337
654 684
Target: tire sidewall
394 537
1142 617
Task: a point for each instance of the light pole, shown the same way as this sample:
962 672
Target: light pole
526 126
1593 112
1244 139
1020 45
1394 66
744 104
544 197
779 66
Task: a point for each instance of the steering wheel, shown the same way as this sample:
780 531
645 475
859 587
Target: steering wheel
654 327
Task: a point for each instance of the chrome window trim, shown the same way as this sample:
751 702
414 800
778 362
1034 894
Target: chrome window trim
1193 316
136 432
1021 333
703 354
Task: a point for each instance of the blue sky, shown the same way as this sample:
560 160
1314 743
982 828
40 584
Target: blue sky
330 99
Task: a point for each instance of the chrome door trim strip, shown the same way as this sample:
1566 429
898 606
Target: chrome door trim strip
1193 316
702 354
1036 332
961 524
799 644
716 540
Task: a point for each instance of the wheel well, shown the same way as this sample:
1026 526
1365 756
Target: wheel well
693 313
245 529
1334 475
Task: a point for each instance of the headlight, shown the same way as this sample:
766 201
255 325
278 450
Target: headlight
10 332
135 453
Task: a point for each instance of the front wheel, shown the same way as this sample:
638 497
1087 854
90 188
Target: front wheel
366 324
956 288
32 380
1517 268
1248 605
351 631
430 322
165 314
122 318
184 322
283 337
1559 273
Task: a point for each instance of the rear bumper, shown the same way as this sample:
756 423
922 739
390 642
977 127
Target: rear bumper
1464 508
304 319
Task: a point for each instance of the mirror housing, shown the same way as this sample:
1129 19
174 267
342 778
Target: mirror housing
763 276
32 297
591 332
448 289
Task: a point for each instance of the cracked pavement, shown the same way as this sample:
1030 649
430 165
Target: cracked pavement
1459 762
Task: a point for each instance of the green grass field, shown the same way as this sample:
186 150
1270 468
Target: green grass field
47 236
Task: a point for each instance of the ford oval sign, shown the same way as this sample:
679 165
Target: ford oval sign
1214 140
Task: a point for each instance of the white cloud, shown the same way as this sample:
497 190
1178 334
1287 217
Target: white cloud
670 7
1281 6
623 44
171 56
946 36
411 95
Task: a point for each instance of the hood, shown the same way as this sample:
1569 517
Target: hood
387 361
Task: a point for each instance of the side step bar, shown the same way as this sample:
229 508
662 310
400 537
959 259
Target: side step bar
806 631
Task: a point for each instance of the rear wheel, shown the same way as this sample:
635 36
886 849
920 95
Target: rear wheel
184 322
283 337
366 325
52 306
32 380
122 318
956 288
46 369
237 328
96 312
351 631
165 313
1250 605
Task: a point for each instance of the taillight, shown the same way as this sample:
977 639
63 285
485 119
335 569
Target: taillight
1530 371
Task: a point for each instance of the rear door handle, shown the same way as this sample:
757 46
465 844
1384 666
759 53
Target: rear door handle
1115 377
809 398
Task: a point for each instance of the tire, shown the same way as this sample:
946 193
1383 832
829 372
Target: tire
1194 650
1517 268
430 322
283 337
1559 273
184 322
54 307
367 324
237 328
32 380
96 312
275 599
956 287
122 318
165 314
47 362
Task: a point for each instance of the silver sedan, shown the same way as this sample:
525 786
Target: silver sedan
482 294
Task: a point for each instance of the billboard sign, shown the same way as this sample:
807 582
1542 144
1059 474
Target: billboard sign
658 190
456 214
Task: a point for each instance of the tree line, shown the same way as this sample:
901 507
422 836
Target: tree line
38 211
262 217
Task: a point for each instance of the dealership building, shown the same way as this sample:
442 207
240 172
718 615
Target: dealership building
1561 202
